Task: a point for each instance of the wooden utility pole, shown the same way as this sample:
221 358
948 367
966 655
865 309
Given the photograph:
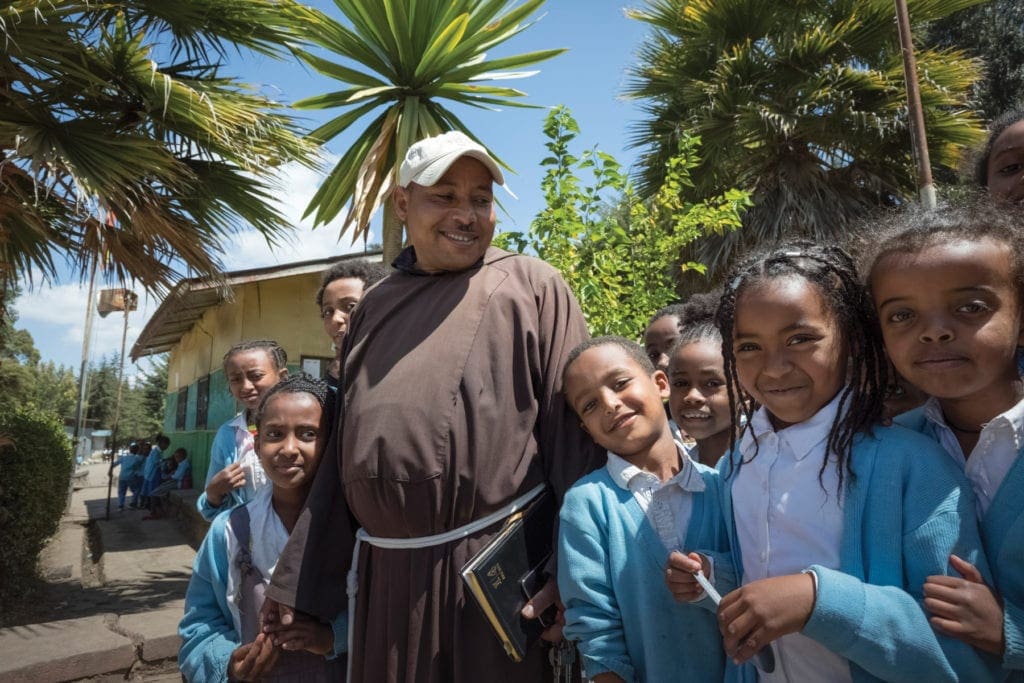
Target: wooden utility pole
917 131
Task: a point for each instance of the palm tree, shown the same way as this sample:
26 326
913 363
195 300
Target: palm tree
122 145
408 56
801 103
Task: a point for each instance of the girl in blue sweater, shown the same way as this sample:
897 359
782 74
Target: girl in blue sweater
221 638
235 474
836 522
949 289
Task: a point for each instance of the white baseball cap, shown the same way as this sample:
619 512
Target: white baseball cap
430 158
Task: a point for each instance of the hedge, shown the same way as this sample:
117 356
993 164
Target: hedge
34 474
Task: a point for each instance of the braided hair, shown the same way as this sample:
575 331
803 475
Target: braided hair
299 383
274 350
833 272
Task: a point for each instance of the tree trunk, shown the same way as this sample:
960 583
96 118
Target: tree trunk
392 237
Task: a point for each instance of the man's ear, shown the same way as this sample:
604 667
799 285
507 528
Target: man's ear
400 196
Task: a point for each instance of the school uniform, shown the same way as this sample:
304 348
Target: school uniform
225 594
870 549
996 473
617 528
151 471
233 442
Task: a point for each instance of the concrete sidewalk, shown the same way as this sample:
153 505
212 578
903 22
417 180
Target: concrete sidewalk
115 593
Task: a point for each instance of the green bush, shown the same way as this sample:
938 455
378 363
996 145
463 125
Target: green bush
34 473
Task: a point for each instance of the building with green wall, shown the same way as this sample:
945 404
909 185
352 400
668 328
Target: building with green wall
200 320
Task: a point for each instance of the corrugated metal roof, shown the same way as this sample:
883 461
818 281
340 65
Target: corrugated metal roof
189 299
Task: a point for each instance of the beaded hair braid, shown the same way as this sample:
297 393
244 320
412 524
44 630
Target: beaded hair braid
299 383
834 273
277 354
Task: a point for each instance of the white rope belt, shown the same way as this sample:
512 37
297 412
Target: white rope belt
422 542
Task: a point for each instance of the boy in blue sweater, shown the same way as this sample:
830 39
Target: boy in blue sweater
619 524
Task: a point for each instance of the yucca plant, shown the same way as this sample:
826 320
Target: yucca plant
802 103
123 146
404 59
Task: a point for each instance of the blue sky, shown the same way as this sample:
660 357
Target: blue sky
589 79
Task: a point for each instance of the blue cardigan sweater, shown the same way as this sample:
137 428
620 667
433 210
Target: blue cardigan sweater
908 508
611 576
1002 532
223 451
208 635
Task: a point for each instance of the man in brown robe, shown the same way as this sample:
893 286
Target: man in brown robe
450 407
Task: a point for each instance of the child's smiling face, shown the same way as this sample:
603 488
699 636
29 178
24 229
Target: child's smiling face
290 439
698 397
790 355
950 316
619 403
250 374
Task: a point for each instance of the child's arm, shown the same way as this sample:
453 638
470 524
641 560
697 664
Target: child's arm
221 478
207 630
885 629
591 609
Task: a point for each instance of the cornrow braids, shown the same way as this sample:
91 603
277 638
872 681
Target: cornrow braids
299 383
277 354
833 272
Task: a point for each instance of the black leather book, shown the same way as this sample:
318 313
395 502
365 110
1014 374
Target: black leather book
509 570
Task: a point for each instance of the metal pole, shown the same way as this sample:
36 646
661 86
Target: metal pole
917 131
80 410
117 405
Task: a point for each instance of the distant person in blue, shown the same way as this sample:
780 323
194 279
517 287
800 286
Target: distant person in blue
152 470
181 478
221 639
235 474
131 467
618 525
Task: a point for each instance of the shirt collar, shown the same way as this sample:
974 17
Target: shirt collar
624 472
406 263
1011 420
238 422
802 438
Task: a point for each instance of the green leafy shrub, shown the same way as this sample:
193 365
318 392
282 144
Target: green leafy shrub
35 467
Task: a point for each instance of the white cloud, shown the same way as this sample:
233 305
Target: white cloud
298 184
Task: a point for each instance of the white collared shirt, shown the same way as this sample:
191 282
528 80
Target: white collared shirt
667 505
255 478
787 520
990 461
268 537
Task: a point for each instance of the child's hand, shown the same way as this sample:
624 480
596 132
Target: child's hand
305 633
965 608
222 483
253 660
762 611
679 575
